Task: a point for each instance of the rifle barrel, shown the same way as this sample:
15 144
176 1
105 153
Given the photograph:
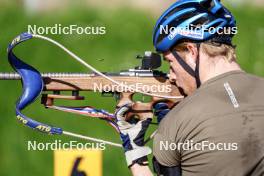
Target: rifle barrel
15 76
91 81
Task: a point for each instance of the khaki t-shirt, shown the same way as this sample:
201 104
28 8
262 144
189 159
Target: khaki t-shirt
218 130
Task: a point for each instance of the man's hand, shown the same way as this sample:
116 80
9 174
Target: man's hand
132 135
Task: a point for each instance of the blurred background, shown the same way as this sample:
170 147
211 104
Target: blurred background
129 27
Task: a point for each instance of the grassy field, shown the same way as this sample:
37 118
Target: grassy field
128 34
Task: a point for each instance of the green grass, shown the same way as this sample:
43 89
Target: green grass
128 34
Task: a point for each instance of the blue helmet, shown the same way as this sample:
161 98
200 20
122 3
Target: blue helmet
174 24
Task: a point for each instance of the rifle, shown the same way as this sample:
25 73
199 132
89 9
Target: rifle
122 85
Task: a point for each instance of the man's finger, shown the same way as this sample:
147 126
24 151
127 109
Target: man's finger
120 113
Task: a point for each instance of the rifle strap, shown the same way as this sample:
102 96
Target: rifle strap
32 87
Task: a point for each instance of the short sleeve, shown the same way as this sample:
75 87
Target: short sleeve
165 151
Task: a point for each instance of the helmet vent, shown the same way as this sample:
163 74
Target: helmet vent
200 21
220 12
208 4
186 16
172 12
216 24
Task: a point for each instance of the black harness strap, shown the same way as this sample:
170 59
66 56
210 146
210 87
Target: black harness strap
161 170
197 72
184 65
187 68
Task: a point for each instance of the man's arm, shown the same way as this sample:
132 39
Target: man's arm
132 135
138 170
133 140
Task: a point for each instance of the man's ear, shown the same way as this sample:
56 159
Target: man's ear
192 54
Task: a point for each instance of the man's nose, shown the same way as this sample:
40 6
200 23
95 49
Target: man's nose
172 76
